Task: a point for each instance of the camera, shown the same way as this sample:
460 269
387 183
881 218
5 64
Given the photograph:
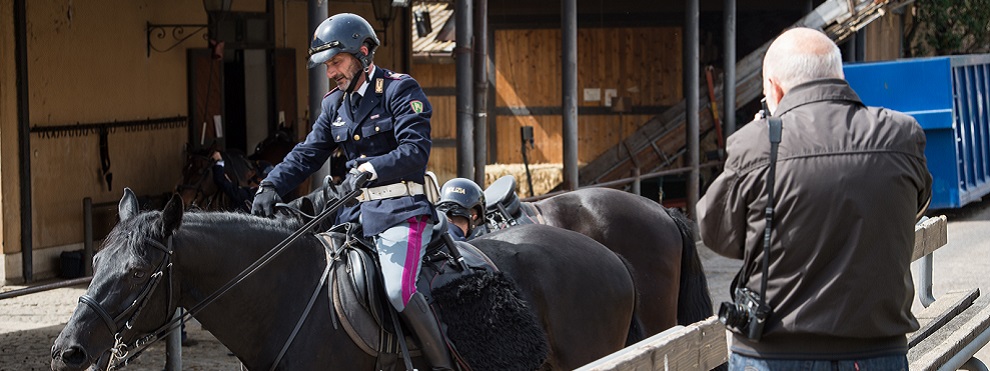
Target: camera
745 315
764 110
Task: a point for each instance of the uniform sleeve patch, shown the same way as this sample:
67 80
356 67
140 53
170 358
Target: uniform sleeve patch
416 106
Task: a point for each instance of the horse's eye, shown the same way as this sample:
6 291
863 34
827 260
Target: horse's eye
138 274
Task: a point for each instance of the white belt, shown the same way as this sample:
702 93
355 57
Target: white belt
399 189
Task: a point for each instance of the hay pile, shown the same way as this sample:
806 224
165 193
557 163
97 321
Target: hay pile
545 176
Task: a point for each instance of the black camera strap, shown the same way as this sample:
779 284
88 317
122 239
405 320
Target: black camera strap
776 127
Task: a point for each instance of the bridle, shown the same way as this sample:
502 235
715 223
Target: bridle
119 353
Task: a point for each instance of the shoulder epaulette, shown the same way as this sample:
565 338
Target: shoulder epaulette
396 76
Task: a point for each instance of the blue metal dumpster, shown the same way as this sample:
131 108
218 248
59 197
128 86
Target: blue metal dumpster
950 98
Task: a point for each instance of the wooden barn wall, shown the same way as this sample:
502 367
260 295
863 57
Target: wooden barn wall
87 68
439 83
882 38
642 64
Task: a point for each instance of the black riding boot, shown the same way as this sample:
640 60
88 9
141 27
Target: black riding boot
421 320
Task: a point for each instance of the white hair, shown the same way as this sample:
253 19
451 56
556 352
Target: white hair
802 60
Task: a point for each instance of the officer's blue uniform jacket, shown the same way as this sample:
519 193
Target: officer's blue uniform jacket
455 232
390 129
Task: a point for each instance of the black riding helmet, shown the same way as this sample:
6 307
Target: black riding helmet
342 33
458 196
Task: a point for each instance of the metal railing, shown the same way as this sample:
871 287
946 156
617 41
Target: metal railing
636 180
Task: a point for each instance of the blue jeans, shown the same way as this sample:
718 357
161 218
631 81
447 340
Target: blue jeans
738 362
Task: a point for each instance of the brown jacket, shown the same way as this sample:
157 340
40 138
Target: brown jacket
850 182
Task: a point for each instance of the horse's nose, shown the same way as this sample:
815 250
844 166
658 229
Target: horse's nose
72 358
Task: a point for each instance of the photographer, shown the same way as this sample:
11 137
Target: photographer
849 183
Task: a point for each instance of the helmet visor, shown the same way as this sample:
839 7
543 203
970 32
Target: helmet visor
321 54
452 209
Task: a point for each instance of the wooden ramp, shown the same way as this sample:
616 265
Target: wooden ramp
660 143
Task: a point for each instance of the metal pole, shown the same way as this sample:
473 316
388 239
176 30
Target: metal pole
849 50
45 287
173 347
87 236
637 187
465 89
319 85
480 90
569 91
729 67
861 45
691 82
23 137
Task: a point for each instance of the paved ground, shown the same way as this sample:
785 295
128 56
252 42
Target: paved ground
29 324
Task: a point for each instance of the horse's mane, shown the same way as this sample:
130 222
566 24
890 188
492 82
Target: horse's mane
149 224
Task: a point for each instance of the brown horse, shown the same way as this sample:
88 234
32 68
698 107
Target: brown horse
199 186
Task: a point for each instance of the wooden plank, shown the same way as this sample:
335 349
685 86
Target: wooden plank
938 349
947 307
929 236
699 346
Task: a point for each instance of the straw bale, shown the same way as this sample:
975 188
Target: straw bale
545 176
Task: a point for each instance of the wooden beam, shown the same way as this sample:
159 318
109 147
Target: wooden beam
943 310
699 346
929 236
941 347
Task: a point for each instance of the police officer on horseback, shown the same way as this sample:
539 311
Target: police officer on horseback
463 202
381 121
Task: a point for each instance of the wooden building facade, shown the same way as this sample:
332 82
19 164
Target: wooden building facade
630 70
101 64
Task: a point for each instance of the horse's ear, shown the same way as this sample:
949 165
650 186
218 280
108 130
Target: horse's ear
306 205
128 206
172 215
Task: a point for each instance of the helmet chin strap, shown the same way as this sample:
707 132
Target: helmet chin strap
367 76
351 86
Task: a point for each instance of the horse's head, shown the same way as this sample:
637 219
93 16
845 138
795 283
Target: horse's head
131 294
274 148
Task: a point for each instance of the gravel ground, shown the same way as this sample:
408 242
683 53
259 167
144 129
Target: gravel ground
30 323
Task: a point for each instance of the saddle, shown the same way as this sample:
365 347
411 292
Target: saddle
357 293
504 209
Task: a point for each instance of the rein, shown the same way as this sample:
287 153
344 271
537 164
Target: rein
121 352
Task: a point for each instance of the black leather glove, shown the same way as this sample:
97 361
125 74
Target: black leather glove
265 200
354 180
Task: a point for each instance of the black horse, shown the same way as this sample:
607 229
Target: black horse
657 242
152 262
